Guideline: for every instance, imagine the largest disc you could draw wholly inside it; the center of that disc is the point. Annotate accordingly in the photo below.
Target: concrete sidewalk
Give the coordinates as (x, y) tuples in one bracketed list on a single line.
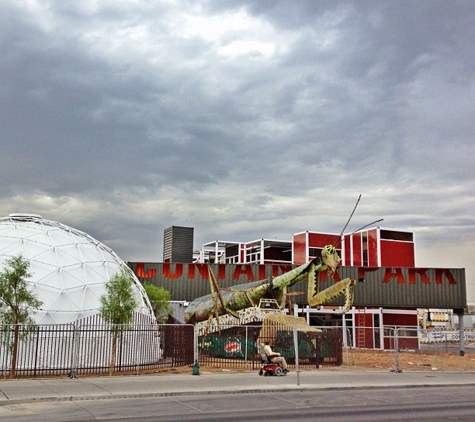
[(89, 388)]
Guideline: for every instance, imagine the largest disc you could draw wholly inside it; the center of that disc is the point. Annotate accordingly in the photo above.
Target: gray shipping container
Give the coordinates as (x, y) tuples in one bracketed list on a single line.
[(375, 287)]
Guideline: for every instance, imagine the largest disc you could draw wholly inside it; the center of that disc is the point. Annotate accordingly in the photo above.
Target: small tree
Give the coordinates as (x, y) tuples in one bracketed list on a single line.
[(16, 300), (159, 298), (117, 306)]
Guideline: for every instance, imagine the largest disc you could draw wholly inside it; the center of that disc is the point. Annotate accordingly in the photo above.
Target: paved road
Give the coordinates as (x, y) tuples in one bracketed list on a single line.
[(186, 397), (435, 404)]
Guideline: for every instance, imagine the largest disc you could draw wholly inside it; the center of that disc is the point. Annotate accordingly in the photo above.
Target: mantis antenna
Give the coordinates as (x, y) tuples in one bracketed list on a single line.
[(366, 225), (351, 215)]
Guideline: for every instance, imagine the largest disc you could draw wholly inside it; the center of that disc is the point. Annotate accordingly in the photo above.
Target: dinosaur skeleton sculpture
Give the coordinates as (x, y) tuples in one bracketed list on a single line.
[(224, 301)]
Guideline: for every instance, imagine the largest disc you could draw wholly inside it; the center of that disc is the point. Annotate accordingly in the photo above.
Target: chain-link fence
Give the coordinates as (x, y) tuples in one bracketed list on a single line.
[(413, 349), (239, 346)]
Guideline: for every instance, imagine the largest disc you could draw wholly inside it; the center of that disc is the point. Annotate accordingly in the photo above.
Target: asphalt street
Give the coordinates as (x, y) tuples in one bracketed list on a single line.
[(434, 403)]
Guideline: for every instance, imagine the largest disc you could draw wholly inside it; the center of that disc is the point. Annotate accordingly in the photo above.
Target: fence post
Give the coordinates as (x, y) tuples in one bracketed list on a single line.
[(138, 353), (296, 344), (396, 349), (461, 334), (72, 371), (6, 350), (345, 333), (195, 343), (36, 350), (343, 326), (245, 350)]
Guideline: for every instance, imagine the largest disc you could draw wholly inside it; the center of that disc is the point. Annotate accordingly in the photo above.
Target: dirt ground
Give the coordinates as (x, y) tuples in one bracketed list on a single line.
[(407, 361)]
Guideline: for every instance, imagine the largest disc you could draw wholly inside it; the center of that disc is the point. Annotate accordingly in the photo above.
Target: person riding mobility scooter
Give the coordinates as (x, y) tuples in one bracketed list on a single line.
[(272, 363)]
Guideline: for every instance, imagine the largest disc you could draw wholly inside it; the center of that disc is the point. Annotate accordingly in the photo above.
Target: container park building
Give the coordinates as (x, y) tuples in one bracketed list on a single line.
[(391, 291)]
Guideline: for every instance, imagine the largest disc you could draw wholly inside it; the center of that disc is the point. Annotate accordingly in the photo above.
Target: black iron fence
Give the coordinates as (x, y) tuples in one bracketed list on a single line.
[(69, 349)]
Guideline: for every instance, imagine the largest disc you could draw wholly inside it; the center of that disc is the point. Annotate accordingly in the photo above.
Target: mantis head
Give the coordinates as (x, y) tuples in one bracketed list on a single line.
[(330, 258)]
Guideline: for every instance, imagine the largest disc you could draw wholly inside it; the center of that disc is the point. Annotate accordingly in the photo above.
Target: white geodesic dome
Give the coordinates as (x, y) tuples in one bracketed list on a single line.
[(69, 269)]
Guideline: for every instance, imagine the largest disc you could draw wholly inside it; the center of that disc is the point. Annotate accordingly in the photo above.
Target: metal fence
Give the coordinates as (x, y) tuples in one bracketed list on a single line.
[(87, 348), (71, 349), (413, 349), (238, 346)]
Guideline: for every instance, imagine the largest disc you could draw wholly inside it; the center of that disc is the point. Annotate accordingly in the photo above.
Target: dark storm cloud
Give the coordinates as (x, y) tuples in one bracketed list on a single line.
[(244, 119)]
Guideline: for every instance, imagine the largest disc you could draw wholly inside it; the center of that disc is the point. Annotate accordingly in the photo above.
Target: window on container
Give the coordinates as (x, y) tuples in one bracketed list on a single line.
[(364, 239), (395, 235), (253, 257), (251, 253), (314, 252), (317, 252)]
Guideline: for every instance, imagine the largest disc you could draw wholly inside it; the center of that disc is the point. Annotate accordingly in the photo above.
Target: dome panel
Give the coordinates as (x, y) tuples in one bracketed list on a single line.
[(69, 252), (35, 249), (40, 270), (13, 231), (89, 253), (76, 272), (47, 257), (64, 303), (60, 279), (51, 281), (94, 273), (46, 318), (72, 278), (92, 297), (12, 249), (77, 296), (35, 234), (61, 237), (58, 257)]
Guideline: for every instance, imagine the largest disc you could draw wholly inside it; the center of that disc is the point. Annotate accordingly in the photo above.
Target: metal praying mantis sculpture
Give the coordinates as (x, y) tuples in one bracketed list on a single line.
[(224, 301)]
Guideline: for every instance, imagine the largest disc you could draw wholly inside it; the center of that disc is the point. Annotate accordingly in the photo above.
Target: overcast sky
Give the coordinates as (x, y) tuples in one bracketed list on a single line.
[(243, 119)]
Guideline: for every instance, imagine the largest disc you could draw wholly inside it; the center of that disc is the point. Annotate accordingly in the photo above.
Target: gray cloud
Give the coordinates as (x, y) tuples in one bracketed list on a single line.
[(243, 119)]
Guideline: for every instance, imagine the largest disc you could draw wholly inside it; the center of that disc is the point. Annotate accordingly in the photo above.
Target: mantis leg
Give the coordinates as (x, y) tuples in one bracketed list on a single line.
[(345, 286)]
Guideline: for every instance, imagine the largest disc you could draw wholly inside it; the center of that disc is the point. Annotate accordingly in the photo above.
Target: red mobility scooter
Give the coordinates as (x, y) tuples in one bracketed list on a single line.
[(270, 368)]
